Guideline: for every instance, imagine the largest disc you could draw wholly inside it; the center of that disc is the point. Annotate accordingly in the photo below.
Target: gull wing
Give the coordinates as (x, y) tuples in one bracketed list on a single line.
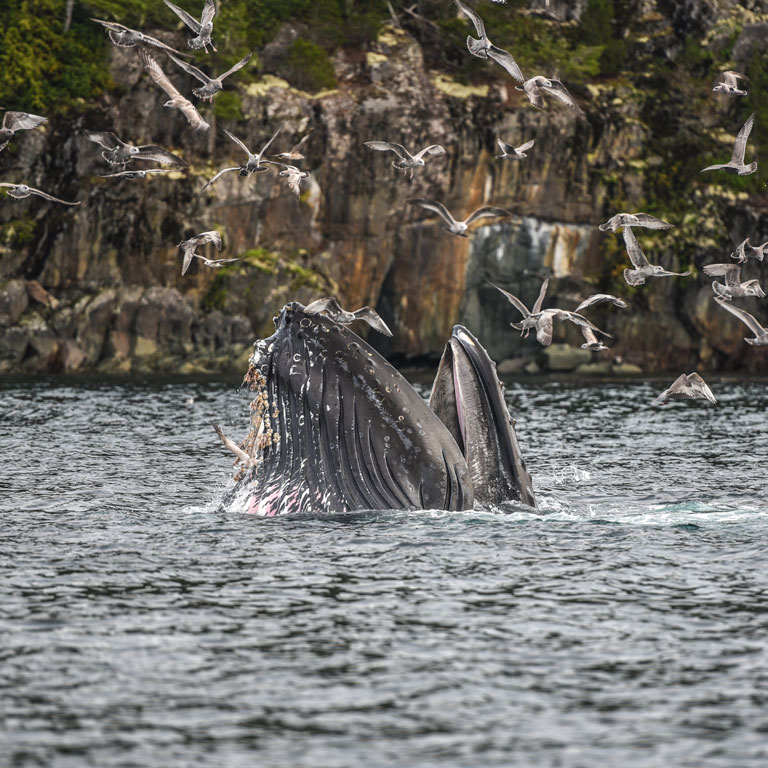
[(487, 211), (527, 145), (698, 387), (472, 16), (371, 316), (189, 253), (743, 315), (432, 149), (540, 298), (732, 78), (159, 155), (113, 26), (598, 298), (740, 145), (634, 251), (266, 146), (513, 300), (557, 90), (209, 11), (212, 236), (507, 149), (740, 254), (158, 43), (580, 320), (22, 121), (589, 335), (238, 142), (220, 173), (158, 77), (191, 69), (544, 328), (650, 222), (46, 196), (731, 272), (663, 398), (504, 58), (387, 146), (303, 141), (533, 91), (240, 64), (190, 21), (216, 262), (433, 205), (105, 139)]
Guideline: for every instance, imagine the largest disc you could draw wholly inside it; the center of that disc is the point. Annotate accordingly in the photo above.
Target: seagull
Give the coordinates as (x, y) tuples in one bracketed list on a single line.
[(733, 288), (543, 320), (295, 153), (634, 220), (120, 153), (17, 121), (211, 86), (517, 153), (741, 255), (20, 191), (599, 298), (536, 86), (124, 37), (332, 309), (407, 161), (736, 163), (254, 163), (761, 334), (176, 100), (642, 268), (730, 84), (202, 29), (135, 174), (457, 227), (242, 457), (189, 246), (483, 48), (215, 262), (686, 387), (292, 174)]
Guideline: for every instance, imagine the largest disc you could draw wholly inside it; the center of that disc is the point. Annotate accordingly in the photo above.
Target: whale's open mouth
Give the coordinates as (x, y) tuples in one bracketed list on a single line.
[(469, 399)]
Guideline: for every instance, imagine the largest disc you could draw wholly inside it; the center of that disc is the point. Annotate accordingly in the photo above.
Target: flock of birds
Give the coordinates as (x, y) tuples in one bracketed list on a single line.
[(118, 153)]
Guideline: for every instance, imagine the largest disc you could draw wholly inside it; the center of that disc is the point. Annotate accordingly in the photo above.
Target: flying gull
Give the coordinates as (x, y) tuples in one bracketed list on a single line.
[(761, 334), (642, 268), (20, 191), (543, 319), (120, 153), (730, 84), (407, 161), (483, 48), (124, 37), (17, 121), (458, 227), (175, 100), (537, 86), (599, 298), (202, 29), (736, 163), (292, 175), (295, 153), (211, 86), (333, 309), (633, 220), (507, 150), (254, 163), (135, 174), (733, 288), (686, 387), (189, 246)]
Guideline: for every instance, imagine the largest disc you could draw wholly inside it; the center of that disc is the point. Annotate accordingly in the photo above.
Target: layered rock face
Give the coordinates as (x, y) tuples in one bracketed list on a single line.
[(99, 287)]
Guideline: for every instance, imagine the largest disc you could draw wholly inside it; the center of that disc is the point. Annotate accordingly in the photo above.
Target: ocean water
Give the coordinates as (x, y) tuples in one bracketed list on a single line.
[(624, 623)]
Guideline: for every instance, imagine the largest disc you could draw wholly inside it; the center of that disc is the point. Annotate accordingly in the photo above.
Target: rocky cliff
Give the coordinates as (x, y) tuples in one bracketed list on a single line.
[(99, 287)]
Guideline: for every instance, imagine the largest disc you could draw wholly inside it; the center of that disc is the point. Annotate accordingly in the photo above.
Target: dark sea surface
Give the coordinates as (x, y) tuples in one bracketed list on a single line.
[(625, 624)]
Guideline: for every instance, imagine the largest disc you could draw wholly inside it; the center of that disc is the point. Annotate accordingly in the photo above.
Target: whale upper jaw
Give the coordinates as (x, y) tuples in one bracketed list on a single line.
[(468, 398)]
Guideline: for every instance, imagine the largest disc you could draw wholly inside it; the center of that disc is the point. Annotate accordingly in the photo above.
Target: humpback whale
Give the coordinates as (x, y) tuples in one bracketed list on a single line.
[(336, 428)]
